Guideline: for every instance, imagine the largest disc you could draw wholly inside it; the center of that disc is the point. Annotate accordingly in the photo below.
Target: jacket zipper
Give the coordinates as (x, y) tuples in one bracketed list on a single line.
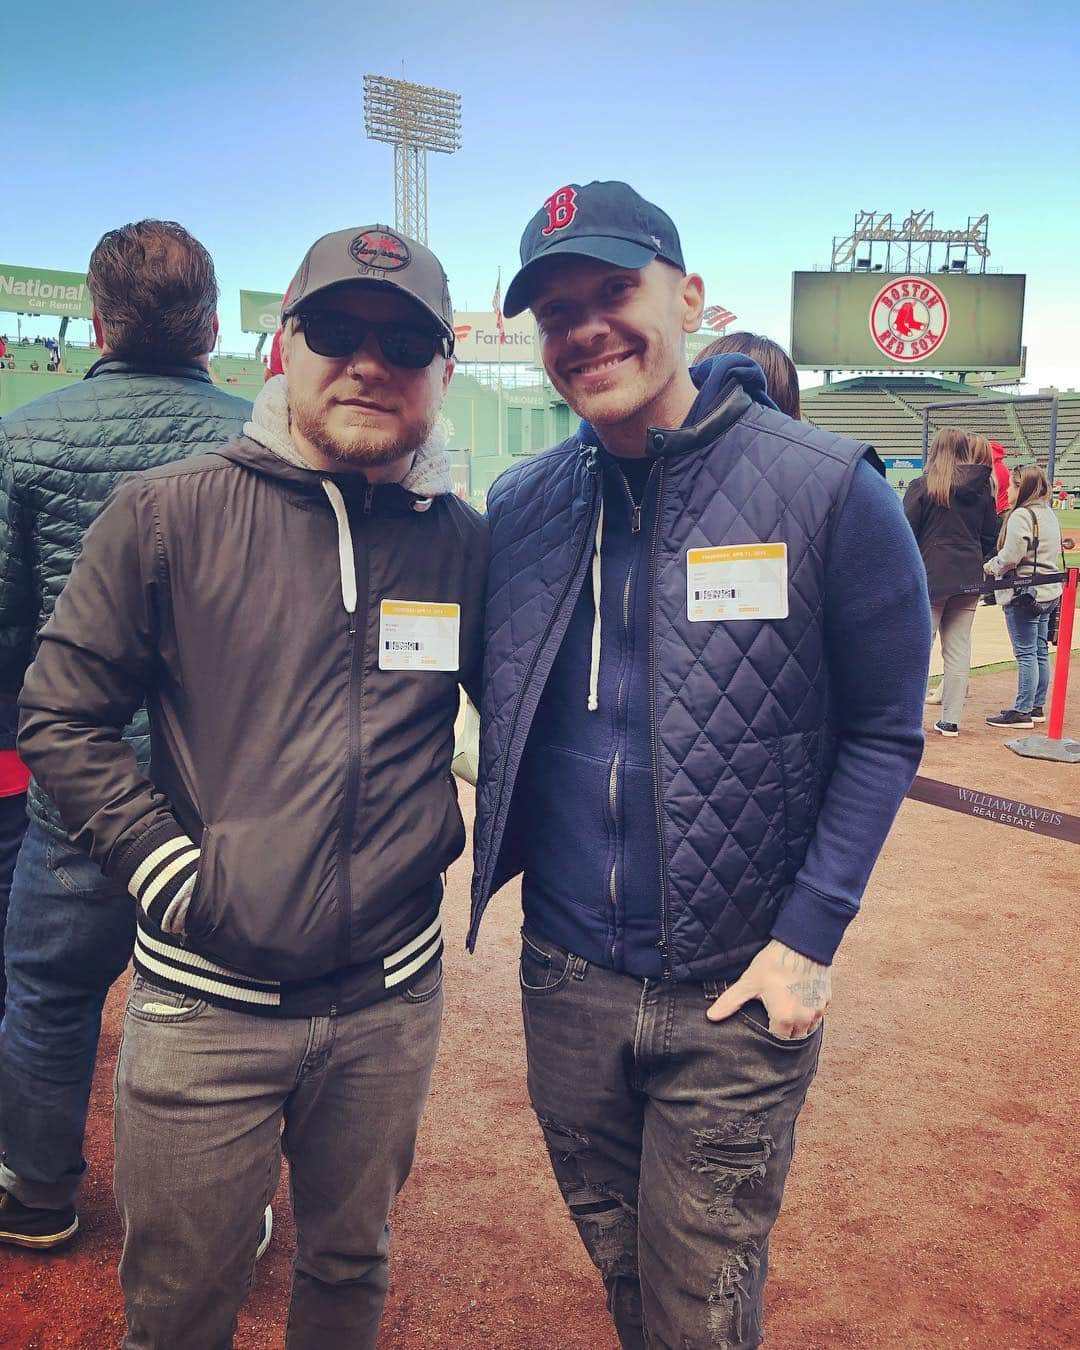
[(352, 774), (613, 785), (665, 953), (557, 612)]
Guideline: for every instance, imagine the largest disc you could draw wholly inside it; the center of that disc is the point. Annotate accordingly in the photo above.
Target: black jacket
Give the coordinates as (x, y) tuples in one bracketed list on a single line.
[(954, 540), (303, 782)]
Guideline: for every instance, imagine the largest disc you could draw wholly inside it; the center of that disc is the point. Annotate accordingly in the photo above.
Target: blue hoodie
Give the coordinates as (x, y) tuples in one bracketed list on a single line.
[(586, 783)]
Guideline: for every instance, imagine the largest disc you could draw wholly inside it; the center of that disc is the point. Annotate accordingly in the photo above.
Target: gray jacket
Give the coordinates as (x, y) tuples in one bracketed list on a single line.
[(1018, 551)]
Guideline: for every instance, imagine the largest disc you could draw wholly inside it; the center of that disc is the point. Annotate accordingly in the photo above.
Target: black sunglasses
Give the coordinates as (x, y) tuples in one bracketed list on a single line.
[(330, 333)]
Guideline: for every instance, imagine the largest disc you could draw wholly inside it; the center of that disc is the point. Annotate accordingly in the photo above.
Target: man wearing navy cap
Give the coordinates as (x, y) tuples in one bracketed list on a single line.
[(692, 751)]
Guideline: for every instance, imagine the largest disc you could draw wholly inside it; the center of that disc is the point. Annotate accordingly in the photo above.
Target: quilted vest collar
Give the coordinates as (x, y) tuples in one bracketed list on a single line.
[(115, 365), (731, 405)]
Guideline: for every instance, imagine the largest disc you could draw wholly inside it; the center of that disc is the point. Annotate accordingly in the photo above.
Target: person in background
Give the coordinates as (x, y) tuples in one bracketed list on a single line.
[(14, 777), (781, 377), (1029, 543), (951, 512), (70, 929), (993, 453)]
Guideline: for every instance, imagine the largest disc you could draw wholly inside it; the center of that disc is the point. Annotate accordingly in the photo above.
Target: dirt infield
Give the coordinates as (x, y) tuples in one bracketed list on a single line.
[(933, 1200)]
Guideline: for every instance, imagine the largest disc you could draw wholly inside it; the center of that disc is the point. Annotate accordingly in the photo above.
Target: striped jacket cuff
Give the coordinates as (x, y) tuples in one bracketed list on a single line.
[(160, 869)]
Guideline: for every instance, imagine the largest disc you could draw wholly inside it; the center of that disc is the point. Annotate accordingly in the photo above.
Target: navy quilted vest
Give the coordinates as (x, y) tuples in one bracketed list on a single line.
[(743, 743)]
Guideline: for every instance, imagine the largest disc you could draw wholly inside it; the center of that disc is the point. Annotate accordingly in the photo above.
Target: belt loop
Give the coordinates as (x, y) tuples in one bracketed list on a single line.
[(580, 966)]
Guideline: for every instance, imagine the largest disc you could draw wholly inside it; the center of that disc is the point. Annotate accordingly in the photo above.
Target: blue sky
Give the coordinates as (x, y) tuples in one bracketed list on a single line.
[(760, 128)]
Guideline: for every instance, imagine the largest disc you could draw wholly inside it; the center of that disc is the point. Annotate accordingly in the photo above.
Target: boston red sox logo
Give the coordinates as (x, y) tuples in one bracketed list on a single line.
[(909, 318), (561, 207)]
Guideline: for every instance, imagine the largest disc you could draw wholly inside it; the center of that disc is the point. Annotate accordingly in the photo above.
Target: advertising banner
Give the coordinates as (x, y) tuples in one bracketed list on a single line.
[(477, 338), (893, 320), (259, 311), (37, 290)]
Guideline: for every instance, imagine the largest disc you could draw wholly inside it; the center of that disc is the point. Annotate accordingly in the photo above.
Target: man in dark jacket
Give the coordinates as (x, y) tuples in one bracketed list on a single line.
[(69, 933), (707, 641), (298, 610)]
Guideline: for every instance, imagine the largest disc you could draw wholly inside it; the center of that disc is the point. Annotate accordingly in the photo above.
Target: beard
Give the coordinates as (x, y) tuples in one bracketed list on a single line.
[(612, 401), (356, 440)]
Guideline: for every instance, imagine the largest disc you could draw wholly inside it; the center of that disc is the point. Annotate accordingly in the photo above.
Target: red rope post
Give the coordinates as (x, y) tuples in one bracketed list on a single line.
[(1061, 659)]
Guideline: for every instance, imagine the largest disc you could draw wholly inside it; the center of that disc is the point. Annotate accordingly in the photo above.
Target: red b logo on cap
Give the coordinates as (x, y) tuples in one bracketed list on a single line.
[(561, 207)]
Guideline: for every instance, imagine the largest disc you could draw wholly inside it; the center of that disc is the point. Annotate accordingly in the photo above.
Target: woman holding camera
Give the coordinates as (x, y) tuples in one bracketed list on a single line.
[(1029, 544), (951, 511)]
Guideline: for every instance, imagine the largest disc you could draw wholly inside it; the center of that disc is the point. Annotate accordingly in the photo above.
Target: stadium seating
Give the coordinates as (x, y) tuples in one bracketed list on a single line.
[(888, 412)]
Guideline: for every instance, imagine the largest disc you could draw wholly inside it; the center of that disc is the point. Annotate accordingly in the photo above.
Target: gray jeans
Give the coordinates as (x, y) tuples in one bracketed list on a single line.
[(671, 1138), (952, 618), (205, 1100)]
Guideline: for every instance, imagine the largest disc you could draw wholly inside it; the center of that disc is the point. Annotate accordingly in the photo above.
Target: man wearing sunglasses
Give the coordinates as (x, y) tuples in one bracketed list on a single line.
[(297, 609)]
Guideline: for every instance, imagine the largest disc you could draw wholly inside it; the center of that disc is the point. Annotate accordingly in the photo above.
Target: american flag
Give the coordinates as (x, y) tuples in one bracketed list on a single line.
[(718, 318), (496, 305)]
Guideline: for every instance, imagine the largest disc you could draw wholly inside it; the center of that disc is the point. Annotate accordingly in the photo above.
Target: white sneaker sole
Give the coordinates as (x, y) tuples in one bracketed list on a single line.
[(268, 1228), (41, 1244)]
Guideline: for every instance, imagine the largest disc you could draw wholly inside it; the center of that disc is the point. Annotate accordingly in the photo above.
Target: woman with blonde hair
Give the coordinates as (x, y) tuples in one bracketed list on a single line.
[(951, 511), (1029, 545)]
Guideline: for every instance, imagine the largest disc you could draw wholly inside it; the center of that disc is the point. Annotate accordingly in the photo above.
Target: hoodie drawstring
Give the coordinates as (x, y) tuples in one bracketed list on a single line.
[(345, 545), (594, 661)]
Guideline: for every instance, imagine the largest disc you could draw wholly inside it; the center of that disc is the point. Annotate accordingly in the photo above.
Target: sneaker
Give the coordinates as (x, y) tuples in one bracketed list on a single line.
[(1037, 713), (1010, 717), (39, 1229), (264, 1233), (934, 695), (947, 728)]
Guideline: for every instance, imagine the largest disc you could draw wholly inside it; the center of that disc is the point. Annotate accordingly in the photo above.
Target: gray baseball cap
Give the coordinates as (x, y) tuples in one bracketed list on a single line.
[(377, 256)]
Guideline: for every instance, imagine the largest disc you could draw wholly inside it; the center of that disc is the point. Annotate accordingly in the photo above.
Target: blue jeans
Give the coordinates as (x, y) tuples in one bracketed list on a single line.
[(12, 829), (1027, 633), (69, 935), (670, 1137)]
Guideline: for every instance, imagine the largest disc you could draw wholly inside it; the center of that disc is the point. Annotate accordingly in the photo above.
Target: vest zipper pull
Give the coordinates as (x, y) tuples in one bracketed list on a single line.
[(635, 521)]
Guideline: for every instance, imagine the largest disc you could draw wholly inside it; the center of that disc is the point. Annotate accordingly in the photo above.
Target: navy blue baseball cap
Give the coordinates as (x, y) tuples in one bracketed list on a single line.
[(606, 221)]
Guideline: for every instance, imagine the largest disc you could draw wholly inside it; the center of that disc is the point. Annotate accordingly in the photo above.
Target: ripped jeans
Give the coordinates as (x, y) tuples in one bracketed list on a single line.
[(671, 1138)]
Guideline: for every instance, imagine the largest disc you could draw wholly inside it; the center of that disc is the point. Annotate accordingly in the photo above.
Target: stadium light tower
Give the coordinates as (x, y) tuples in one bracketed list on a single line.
[(413, 118)]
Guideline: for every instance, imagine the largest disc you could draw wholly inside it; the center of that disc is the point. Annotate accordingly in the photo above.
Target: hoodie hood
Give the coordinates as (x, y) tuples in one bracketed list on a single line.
[(428, 477), (715, 380), (972, 481)]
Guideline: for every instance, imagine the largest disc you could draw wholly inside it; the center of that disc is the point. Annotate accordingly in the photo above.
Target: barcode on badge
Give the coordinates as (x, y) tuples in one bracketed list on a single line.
[(394, 646), (720, 593)]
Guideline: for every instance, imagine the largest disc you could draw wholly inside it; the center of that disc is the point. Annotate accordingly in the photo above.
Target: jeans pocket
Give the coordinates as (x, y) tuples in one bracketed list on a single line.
[(544, 967), (424, 987), (150, 1002), (755, 1015), (75, 870)]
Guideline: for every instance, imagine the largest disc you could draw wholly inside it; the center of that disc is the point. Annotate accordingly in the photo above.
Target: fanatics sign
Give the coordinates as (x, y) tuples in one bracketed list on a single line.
[(477, 337)]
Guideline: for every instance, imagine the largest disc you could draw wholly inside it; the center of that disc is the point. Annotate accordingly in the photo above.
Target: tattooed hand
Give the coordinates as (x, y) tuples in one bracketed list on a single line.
[(795, 990)]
